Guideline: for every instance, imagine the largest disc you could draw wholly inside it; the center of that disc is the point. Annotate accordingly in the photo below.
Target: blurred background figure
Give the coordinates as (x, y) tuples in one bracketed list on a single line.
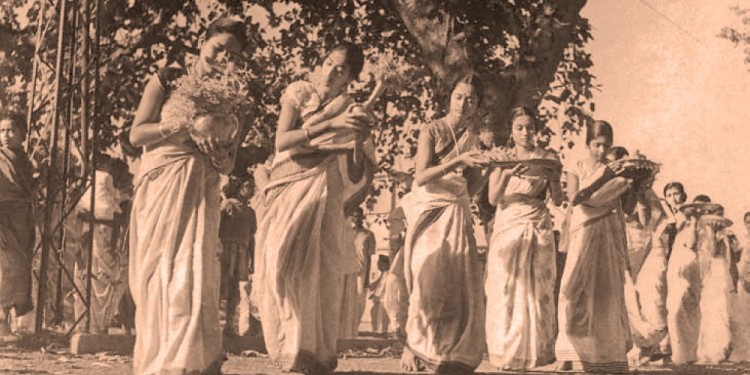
[(378, 316), (237, 234), (357, 283), (16, 224), (108, 268)]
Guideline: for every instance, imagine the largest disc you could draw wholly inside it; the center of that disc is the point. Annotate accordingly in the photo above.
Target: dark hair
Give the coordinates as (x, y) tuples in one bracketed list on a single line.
[(747, 214), (226, 25), (17, 120), (515, 113), (618, 152), (521, 111), (232, 188), (355, 58), (702, 198), (679, 187), (599, 128), (470, 79)]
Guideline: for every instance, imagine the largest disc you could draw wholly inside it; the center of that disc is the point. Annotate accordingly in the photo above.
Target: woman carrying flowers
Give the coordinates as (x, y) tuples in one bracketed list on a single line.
[(174, 227)]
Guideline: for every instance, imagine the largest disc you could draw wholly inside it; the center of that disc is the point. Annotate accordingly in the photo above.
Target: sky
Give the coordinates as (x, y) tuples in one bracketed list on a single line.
[(676, 92)]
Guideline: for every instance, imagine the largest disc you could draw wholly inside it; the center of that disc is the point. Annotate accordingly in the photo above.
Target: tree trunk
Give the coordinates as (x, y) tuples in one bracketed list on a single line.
[(524, 82)]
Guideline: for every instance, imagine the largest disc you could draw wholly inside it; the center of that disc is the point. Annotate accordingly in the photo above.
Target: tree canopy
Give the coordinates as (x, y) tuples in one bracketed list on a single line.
[(531, 52)]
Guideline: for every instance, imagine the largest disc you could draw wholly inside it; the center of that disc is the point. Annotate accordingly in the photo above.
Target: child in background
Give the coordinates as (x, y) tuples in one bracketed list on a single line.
[(378, 316), (16, 224), (236, 232)]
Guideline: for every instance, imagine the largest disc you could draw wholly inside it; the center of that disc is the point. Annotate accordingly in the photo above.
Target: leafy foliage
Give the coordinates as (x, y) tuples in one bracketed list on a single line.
[(531, 52), (739, 35)]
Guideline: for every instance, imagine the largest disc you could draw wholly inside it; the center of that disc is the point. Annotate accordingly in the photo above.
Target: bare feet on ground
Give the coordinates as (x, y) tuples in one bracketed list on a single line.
[(410, 362)]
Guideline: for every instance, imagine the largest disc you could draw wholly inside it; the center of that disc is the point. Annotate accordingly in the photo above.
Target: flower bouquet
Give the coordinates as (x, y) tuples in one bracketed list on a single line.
[(207, 105)]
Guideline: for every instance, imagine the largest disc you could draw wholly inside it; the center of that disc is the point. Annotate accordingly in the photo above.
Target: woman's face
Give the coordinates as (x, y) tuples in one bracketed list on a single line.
[(523, 130), (335, 72), (674, 197), (219, 52), (464, 100), (247, 190), (9, 136), (599, 147)]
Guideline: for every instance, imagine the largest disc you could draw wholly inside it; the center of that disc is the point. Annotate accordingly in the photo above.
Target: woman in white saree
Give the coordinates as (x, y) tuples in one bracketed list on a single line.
[(443, 273), (593, 319), (174, 227), (521, 268), (302, 255)]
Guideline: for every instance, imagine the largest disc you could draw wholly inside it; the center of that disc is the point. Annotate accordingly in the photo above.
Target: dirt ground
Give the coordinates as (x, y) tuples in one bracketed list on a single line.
[(49, 355)]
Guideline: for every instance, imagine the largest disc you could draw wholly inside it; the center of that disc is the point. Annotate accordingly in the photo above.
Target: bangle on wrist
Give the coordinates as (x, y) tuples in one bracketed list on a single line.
[(307, 134), (168, 129)]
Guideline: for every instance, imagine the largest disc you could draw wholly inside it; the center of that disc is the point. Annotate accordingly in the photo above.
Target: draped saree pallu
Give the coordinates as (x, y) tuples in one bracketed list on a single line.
[(592, 314), (521, 273), (443, 274), (174, 262), (16, 231), (302, 255)]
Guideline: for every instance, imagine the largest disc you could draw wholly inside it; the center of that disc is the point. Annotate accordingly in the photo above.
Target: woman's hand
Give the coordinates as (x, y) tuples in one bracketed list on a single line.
[(517, 171), (617, 168), (472, 159), (356, 119), (211, 144)]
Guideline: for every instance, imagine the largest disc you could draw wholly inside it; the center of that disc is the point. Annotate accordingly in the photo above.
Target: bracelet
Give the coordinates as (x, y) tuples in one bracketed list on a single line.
[(307, 134), (167, 131)]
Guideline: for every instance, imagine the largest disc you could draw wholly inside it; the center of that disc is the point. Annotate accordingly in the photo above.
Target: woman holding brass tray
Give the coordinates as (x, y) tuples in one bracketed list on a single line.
[(593, 318), (521, 268)]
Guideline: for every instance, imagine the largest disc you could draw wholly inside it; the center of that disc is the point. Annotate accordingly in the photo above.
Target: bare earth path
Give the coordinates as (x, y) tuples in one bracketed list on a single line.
[(39, 356)]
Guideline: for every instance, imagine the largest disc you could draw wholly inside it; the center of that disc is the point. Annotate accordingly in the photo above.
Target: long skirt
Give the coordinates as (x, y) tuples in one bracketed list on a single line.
[(352, 305), (445, 321), (683, 304), (715, 336), (521, 274), (301, 263), (16, 248), (175, 269), (592, 314)]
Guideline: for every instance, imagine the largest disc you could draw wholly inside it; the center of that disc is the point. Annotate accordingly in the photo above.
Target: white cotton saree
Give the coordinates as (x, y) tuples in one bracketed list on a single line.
[(443, 273), (174, 262), (592, 315), (521, 273)]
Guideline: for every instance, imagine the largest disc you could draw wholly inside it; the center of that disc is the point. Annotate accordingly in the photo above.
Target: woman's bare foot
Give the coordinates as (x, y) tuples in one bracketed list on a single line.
[(410, 362), (563, 365)]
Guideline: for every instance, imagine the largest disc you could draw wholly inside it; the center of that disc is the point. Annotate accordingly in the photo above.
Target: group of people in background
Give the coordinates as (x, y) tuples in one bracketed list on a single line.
[(637, 270)]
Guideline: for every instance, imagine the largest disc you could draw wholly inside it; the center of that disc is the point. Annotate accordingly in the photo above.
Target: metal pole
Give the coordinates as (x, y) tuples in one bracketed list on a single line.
[(85, 38), (34, 68), (92, 171), (66, 162), (51, 193)]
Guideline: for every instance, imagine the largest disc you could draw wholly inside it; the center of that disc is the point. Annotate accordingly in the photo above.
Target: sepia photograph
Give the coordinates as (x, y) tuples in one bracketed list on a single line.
[(205, 187)]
